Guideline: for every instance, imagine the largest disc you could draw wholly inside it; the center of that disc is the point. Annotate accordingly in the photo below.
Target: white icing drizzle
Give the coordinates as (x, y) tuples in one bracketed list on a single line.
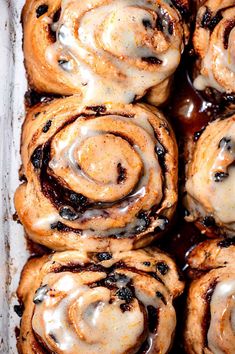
[(74, 317), (209, 80), (96, 325), (67, 153), (45, 222), (223, 300), (115, 34), (224, 207), (218, 62), (211, 196)]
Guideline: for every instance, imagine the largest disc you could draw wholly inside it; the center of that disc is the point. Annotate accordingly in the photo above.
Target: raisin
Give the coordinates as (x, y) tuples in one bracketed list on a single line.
[(229, 98), (197, 134), (36, 157), (225, 143), (121, 173), (147, 264), (61, 62), (170, 28), (68, 213), (56, 16), (125, 294), (59, 226), (152, 60), (19, 310), (159, 24), (214, 21), (162, 267), (220, 176), (53, 337), (152, 318), (182, 7), (160, 151), (146, 221), (77, 199), (41, 10), (147, 23), (208, 221), (46, 126), (125, 307), (206, 18), (104, 256), (226, 243)]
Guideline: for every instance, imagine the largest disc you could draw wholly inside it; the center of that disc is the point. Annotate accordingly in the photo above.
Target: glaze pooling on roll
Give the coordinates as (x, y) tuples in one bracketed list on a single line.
[(106, 51), (98, 151), (98, 174), (85, 155), (210, 176), (210, 326), (214, 40), (92, 308), (86, 305)]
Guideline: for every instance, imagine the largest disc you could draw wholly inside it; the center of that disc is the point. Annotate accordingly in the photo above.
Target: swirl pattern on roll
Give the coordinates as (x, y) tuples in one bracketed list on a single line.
[(105, 51), (99, 303), (210, 324), (210, 177), (97, 177), (214, 43)]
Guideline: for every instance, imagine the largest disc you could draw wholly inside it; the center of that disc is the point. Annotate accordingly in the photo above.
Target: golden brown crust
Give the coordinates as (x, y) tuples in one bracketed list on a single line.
[(71, 49), (29, 280), (212, 254), (210, 302), (214, 44), (210, 176), (138, 270), (96, 172)]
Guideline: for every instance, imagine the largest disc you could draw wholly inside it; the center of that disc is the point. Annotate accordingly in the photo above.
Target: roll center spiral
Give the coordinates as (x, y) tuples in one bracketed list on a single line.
[(109, 159), (103, 167), (89, 310), (129, 30)]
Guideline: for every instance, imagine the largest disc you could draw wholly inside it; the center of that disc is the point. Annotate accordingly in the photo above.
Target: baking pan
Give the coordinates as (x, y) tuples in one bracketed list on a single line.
[(12, 243)]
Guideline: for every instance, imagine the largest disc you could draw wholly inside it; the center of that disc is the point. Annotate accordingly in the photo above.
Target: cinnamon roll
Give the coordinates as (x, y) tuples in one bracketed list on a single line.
[(99, 303), (210, 187), (210, 324), (98, 177), (105, 51), (214, 43)]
